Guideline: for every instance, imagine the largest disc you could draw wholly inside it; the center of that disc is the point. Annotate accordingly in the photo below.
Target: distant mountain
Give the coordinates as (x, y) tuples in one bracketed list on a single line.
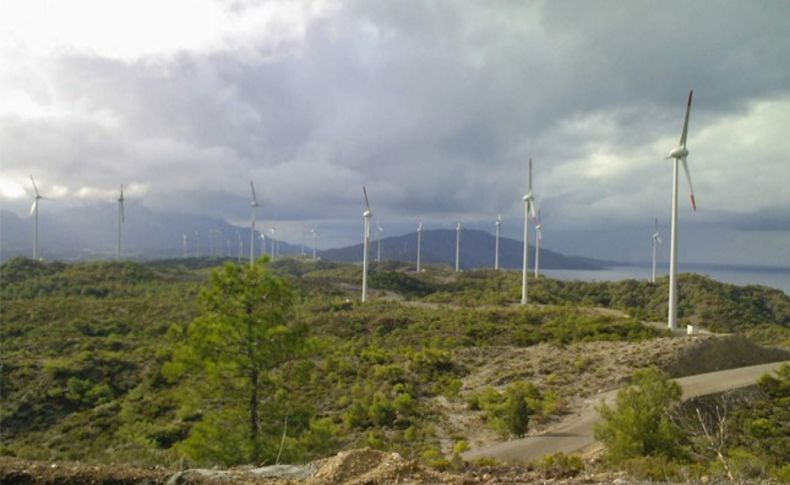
[(477, 251), (91, 232)]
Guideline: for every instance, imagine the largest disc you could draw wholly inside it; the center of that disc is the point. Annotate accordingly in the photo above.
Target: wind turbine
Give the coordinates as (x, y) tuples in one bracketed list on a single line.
[(120, 222), (538, 239), (678, 154), (379, 230), (315, 239), (656, 241), (274, 240), (458, 228), (34, 213), (529, 208), (496, 244), (367, 214), (419, 239), (254, 205), (241, 244), (184, 245), (197, 244)]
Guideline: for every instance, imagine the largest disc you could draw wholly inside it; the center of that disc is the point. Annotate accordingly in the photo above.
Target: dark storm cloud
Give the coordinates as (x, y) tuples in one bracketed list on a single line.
[(436, 106)]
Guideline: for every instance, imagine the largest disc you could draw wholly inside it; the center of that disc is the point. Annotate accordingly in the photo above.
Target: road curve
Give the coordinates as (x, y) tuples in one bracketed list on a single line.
[(577, 433)]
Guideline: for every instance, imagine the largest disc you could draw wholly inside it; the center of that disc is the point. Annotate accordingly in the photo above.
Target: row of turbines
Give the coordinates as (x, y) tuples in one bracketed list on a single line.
[(679, 155)]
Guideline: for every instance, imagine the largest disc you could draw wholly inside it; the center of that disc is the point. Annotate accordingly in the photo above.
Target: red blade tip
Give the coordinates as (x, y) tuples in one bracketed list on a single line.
[(693, 202)]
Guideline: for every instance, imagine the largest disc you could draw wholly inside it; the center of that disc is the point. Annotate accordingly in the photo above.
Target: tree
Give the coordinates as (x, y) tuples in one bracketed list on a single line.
[(241, 336), (640, 424)]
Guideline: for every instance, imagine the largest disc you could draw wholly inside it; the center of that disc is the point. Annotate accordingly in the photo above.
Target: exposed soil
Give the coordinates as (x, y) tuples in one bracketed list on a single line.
[(578, 372)]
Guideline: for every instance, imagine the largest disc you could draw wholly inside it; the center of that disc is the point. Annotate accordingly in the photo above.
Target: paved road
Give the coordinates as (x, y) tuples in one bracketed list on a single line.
[(577, 433)]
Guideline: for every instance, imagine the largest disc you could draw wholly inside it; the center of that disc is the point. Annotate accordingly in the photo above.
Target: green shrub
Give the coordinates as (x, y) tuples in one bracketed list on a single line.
[(655, 468), (560, 465), (640, 424)]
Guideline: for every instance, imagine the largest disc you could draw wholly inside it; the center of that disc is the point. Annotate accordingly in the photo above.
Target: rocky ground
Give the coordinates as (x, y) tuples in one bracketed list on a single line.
[(352, 467)]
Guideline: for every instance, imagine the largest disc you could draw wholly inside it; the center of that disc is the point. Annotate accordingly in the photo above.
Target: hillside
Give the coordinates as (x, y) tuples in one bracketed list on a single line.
[(84, 347), (477, 251)]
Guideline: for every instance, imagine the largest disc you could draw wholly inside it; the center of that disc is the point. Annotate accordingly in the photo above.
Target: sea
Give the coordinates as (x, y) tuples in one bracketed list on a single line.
[(774, 277)]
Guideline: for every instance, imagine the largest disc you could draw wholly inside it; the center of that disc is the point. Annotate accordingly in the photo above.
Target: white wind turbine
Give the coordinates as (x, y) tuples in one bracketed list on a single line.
[(419, 240), (529, 208), (496, 243), (241, 245), (120, 222), (184, 245), (367, 214), (263, 244), (379, 232), (197, 244), (656, 242), (678, 154), (458, 228), (273, 239), (254, 205), (34, 213), (315, 239), (538, 239)]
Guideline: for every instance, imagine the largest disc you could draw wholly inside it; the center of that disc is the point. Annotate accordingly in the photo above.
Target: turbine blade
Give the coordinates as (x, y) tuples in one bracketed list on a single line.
[(532, 211), (530, 175), (686, 122), (34, 185), (691, 187), (254, 196), (33, 207), (367, 203), (656, 226), (659, 240)]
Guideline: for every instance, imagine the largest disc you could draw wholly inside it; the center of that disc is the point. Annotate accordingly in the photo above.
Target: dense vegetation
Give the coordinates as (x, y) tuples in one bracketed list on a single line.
[(88, 352), (738, 435)]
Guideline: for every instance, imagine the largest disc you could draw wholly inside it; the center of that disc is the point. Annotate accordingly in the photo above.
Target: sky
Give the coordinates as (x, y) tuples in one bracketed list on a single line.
[(435, 106)]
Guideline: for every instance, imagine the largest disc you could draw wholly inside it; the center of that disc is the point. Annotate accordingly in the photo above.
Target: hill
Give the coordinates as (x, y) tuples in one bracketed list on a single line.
[(84, 346), (477, 251)]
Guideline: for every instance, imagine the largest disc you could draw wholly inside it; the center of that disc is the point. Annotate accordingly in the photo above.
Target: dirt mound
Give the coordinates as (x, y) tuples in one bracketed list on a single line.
[(722, 353), (372, 466)]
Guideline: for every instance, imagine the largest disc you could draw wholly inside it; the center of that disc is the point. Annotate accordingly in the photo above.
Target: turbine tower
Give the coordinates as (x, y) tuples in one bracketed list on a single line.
[(496, 244), (241, 245), (538, 239), (315, 239), (120, 222), (656, 241), (34, 213), (263, 244), (367, 214), (379, 230), (273, 230), (458, 228), (419, 240), (678, 155), (529, 207), (197, 244), (254, 205), (184, 245)]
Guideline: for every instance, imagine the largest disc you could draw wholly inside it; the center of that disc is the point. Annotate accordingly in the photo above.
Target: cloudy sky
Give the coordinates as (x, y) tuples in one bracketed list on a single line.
[(436, 106)]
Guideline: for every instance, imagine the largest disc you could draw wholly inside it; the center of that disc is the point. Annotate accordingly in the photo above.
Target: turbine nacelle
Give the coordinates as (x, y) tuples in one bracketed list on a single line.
[(679, 152)]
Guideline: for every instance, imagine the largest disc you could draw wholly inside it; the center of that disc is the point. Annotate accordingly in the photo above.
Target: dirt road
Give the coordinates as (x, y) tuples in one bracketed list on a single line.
[(577, 432)]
